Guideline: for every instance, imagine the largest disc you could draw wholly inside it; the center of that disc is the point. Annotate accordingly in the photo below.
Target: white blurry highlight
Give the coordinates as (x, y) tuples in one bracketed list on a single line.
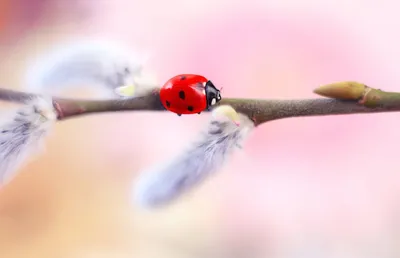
[(96, 64), (214, 145), (22, 132), (141, 85)]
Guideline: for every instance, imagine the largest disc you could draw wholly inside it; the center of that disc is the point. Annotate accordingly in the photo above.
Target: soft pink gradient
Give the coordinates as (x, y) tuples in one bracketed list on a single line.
[(331, 179)]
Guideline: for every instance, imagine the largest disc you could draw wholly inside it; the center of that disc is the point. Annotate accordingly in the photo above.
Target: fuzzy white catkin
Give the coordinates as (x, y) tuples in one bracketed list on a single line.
[(95, 64), (203, 157), (22, 132)]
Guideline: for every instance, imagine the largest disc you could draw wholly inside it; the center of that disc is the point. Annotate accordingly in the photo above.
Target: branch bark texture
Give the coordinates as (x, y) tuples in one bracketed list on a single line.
[(340, 98)]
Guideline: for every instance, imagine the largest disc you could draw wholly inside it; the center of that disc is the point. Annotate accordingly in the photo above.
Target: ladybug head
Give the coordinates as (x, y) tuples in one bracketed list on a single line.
[(213, 94)]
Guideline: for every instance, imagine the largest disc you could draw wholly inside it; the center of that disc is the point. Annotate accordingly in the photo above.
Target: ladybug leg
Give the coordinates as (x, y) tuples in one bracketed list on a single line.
[(179, 114), (199, 113)]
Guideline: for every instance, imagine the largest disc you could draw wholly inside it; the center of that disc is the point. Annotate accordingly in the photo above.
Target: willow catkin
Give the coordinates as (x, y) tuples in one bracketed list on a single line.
[(21, 134), (206, 155), (95, 64)]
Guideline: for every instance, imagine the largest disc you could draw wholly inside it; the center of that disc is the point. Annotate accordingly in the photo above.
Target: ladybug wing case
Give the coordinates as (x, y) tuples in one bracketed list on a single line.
[(186, 99), (196, 100)]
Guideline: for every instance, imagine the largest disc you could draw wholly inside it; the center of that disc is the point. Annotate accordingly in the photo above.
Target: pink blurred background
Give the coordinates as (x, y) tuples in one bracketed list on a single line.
[(324, 186)]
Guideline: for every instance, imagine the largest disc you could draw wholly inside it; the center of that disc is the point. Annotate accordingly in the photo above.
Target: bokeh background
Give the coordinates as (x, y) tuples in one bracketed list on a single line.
[(303, 187)]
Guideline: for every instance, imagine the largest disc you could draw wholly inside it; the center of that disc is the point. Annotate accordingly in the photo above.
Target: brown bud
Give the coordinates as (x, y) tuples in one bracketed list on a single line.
[(342, 90)]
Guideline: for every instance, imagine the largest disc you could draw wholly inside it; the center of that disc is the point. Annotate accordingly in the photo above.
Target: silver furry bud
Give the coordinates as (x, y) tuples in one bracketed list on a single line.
[(21, 134), (103, 66), (225, 132)]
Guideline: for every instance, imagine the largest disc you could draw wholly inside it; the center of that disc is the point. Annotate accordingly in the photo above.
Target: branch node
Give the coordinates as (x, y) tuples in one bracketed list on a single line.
[(57, 107), (365, 97)]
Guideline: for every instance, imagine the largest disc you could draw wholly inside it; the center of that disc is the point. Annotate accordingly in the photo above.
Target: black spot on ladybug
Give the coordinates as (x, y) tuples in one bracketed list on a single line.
[(183, 77), (167, 103), (182, 94), (190, 108)]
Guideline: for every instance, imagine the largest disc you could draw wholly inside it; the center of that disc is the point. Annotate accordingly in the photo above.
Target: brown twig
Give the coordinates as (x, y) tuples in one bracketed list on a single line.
[(15, 96), (343, 98)]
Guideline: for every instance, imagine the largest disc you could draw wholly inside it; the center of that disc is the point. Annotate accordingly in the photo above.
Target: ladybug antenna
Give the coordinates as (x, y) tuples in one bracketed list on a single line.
[(221, 89)]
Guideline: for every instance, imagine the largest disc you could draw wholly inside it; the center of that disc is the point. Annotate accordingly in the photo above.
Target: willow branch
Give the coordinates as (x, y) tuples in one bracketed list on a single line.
[(15, 96), (342, 98)]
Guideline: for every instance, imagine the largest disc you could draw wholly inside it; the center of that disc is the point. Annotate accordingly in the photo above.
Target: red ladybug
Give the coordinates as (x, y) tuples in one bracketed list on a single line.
[(189, 94)]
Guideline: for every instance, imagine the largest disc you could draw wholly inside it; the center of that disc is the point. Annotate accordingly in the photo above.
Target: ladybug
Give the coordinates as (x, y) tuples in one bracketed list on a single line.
[(189, 94)]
